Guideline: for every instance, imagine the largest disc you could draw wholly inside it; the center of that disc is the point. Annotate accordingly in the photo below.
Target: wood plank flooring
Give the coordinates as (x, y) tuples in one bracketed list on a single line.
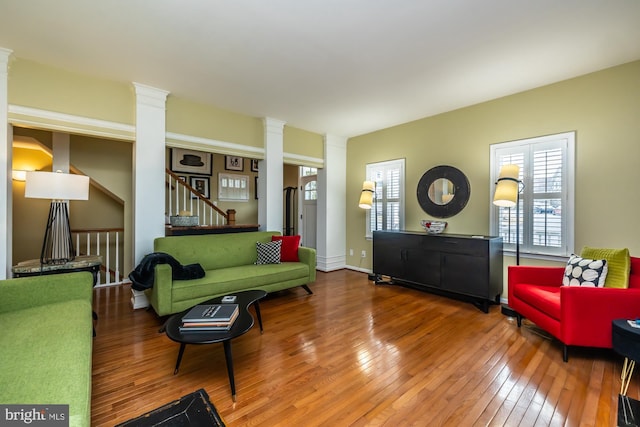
[(354, 353)]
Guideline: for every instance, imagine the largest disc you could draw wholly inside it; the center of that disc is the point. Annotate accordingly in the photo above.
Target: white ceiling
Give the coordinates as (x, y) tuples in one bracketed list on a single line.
[(342, 67)]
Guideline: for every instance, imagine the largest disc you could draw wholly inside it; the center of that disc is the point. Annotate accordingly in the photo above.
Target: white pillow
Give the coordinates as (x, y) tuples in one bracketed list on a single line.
[(585, 272)]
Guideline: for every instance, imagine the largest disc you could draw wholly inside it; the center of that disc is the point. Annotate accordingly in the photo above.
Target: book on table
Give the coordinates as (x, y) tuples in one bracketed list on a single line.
[(211, 317), (211, 313)]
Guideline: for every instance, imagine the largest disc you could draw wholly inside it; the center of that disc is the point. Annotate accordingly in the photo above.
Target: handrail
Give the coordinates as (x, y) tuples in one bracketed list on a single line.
[(197, 194)]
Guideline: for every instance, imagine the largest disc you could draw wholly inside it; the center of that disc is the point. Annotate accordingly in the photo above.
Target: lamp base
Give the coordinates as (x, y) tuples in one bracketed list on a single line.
[(57, 246)]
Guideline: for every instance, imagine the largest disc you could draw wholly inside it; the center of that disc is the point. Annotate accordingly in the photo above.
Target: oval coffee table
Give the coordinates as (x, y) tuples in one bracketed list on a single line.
[(242, 324)]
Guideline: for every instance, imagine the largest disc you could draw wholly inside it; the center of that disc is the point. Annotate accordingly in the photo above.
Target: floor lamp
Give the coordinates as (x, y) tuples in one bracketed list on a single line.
[(366, 202), (57, 246), (507, 194)]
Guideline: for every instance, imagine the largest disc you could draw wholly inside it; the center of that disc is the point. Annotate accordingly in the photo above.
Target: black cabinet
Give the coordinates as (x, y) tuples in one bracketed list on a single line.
[(453, 264)]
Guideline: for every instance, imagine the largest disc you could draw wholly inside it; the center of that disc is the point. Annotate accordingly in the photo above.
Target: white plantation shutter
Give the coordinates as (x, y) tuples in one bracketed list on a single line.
[(387, 212), (546, 200)]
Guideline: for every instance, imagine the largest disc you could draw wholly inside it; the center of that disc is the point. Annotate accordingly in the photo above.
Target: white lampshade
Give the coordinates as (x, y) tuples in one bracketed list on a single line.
[(366, 197), (56, 186), (18, 175), (506, 194)]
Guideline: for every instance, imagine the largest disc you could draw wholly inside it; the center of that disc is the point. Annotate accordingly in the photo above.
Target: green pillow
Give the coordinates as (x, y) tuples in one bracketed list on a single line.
[(618, 262)]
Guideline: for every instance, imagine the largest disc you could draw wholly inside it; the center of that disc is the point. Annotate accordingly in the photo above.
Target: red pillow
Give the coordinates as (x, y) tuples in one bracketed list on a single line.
[(289, 250)]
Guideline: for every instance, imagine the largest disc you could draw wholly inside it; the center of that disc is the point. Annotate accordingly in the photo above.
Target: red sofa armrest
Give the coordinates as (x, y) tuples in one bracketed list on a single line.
[(586, 313), (535, 275)]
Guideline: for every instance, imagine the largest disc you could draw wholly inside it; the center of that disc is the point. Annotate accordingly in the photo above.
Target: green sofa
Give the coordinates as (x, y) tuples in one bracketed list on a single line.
[(229, 264), (46, 339)]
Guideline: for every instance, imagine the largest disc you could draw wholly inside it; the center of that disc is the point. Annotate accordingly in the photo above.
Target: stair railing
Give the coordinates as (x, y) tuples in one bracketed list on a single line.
[(182, 197), (107, 243)]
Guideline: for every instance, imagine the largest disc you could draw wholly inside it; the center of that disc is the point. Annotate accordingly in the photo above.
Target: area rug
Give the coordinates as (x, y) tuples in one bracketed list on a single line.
[(192, 410)]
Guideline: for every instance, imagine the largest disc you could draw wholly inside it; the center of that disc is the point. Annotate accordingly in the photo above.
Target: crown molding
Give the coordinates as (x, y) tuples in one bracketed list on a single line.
[(35, 117)]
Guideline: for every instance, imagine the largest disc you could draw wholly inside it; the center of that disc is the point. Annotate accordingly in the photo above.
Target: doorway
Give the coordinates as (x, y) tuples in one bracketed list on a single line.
[(308, 181)]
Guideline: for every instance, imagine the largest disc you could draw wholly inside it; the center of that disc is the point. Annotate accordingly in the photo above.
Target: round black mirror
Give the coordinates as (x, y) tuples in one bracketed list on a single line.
[(443, 191)]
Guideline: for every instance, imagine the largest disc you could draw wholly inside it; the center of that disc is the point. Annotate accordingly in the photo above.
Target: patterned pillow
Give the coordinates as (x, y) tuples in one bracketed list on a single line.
[(585, 272), (268, 253)]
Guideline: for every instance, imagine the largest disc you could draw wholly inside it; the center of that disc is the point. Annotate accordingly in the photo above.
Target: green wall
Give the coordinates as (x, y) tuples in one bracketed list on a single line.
[(603, 108), (42, 87), (39, 86)]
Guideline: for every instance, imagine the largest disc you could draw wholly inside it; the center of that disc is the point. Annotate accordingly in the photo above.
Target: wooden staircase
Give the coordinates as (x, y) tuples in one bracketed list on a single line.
[(183, 199)]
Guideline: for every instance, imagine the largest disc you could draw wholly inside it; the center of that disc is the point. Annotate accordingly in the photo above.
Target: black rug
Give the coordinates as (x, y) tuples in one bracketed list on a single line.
[(192, 410)]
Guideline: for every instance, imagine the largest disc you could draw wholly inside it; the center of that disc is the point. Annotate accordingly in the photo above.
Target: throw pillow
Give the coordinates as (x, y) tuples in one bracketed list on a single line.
[(268, 253), (290, 245), (585, 272), (618, 264)]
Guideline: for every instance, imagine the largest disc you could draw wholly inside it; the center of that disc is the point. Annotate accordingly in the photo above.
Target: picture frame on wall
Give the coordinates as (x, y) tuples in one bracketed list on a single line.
[(233, 163), (201, 184), (254, 165), (191, 161), (256, 187)]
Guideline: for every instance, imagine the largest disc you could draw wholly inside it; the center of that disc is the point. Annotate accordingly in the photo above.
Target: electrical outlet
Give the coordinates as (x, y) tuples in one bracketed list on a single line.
[(350, 252), (364, 254)]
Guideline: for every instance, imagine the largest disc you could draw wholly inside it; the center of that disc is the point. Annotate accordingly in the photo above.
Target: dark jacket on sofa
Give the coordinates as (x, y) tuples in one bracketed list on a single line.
[(143, 275)]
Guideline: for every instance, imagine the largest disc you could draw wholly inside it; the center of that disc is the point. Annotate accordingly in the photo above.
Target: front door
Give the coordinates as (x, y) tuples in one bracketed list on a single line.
[(308, 211)]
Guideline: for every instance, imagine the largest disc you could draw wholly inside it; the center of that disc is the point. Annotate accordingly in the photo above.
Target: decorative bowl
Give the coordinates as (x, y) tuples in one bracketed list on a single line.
[(434, 227), (183, 221)]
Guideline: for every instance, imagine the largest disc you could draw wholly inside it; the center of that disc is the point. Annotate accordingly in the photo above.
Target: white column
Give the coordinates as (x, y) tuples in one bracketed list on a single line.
[(148, 169), (270, 178), (331, 233), (6, 190)]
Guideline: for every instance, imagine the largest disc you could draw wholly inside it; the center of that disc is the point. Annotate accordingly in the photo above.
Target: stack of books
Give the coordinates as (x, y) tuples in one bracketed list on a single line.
[(209, 317)]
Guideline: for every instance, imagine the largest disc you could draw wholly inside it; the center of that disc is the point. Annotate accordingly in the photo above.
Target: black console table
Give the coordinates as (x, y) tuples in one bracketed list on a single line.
[(466, 266)]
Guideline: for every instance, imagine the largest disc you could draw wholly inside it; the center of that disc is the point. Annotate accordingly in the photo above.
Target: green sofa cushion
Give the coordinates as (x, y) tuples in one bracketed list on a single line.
[(233, 279), (46, 357), (213, 251)]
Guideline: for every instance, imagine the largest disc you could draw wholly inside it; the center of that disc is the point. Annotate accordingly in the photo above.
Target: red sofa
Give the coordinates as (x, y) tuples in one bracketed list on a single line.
[(575, 315)]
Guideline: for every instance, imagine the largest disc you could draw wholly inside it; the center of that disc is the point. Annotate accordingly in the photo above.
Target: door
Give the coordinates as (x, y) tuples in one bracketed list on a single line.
[(308, 209)]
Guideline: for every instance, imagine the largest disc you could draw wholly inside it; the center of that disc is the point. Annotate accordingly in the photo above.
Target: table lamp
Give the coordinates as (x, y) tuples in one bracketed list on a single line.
[(57, 246)]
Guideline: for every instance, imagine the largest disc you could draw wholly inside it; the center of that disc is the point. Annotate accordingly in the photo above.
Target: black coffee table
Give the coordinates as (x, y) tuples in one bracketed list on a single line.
[(242, 324)]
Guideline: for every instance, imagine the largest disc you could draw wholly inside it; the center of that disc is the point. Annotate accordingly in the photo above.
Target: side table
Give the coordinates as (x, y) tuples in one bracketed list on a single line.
[(32, 267), (625, 340)]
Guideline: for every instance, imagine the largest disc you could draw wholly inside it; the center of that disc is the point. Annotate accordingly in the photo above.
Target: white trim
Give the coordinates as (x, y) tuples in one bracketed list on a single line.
[(150, 96), (6, 189), (179, 140), (331, 263), (569, 193), (27, 116), (300, 160)]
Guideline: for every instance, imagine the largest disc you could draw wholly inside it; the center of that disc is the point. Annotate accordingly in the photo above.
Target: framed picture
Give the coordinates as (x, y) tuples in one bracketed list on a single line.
[(254, 165), (256, 188), (233, 187), (233, 163), (191, 161), (182, 178), (201, 184)]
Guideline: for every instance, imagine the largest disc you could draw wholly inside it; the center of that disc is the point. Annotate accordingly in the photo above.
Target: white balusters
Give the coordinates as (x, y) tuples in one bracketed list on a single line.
[(94, 245)]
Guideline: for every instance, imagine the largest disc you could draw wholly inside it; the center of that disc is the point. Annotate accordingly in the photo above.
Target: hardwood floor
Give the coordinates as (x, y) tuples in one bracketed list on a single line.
[(354, 353)]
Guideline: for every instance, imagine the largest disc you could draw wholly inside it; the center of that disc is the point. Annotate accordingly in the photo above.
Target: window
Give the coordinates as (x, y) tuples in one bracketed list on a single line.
[(306, 171), (387, 212), (310, 191), (233, 187), (546, 197)]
